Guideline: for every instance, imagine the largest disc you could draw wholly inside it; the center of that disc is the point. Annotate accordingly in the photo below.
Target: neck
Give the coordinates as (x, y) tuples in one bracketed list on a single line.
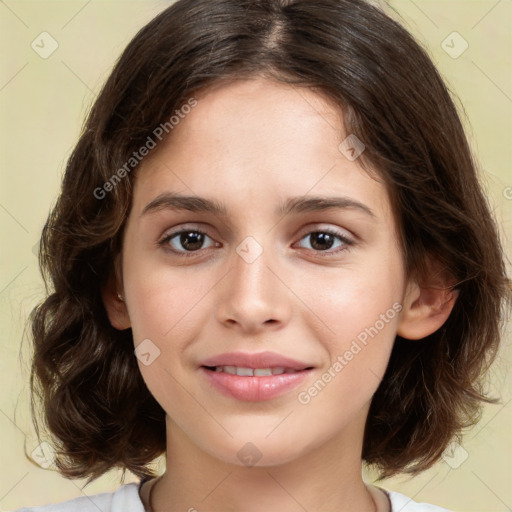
[(325, 479)]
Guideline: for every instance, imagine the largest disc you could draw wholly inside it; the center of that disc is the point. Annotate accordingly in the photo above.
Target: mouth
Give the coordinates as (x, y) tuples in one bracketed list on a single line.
[(253, 377)]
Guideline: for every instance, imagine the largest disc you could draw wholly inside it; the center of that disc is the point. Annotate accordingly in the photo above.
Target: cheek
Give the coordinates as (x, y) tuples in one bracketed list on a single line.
[(351, 299), (162, 302), (164, 307), (359, 311)]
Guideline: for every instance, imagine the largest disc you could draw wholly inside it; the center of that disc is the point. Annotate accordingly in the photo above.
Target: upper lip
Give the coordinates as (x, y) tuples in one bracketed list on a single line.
[(255, 360)]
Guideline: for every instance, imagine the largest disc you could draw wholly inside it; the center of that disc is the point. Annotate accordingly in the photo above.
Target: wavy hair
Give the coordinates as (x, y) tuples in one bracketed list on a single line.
[(84, 374)]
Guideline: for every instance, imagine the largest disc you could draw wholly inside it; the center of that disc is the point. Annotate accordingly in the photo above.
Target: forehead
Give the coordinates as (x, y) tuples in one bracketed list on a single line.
[(256, 113), (257, 138)]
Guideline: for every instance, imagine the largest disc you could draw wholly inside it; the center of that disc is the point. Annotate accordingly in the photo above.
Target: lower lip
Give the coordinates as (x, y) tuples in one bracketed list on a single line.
[(254, 389)]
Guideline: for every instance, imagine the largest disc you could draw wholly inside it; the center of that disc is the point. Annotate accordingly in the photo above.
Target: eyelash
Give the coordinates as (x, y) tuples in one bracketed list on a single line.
[(348, 242)]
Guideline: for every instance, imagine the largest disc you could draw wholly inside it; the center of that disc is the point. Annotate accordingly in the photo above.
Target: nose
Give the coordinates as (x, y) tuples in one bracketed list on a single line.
[(254, 296)]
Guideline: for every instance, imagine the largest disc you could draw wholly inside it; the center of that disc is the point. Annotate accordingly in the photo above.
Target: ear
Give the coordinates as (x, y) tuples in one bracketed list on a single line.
[(113, 300), (427, 306)]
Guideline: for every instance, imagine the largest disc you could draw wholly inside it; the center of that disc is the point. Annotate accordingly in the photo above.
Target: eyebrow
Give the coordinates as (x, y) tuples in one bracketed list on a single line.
[(301, 204)]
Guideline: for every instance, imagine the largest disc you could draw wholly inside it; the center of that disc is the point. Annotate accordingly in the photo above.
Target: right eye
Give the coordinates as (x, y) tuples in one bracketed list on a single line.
[(191, 240)]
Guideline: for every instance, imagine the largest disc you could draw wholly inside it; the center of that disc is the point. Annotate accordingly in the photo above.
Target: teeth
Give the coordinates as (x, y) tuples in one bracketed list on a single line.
[(262, 372), (250, 372), (245, 372)]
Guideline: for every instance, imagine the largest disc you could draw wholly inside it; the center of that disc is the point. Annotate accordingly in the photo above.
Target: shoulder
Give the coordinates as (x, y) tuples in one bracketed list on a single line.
[(401, 502), (124, 499)]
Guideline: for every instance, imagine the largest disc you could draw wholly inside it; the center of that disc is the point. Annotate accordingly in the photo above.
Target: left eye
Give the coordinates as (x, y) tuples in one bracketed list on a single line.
[(323, 240)]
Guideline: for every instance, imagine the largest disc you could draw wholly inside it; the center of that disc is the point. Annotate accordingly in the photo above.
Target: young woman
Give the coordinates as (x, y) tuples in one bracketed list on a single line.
[(271, 261)]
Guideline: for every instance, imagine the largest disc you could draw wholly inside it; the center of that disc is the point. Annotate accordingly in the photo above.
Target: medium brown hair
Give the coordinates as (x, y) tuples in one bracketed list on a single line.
[(93, 399)]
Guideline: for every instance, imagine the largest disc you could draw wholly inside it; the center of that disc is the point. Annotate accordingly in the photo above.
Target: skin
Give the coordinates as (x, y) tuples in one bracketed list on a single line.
[(251, 144)]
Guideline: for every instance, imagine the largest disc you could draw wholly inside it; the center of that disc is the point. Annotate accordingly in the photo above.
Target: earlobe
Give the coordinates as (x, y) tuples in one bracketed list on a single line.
[(425, 310), (115, 305)]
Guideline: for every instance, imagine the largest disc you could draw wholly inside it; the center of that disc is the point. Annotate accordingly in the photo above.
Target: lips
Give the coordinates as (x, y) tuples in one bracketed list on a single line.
[(254, 377)]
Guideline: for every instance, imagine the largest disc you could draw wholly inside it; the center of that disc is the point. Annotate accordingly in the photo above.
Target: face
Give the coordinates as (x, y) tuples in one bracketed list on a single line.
[(275, 270)]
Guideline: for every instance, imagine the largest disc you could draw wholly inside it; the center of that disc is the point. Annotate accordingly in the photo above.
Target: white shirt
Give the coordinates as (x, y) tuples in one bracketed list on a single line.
[(127, 499)]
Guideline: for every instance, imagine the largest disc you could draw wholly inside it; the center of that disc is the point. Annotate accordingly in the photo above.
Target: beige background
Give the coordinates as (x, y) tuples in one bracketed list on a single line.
[(42, 105)]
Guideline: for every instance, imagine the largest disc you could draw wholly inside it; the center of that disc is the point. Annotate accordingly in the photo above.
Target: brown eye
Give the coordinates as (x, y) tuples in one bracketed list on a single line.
[(326, 239), (186, 241)]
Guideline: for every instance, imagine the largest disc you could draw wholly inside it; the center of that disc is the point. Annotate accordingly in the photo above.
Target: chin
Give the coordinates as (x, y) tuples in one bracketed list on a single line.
[(253, 449)]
